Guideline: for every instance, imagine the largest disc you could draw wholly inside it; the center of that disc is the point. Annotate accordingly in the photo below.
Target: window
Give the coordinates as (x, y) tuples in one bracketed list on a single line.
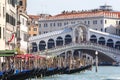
[(51, 24), (105, 21), (65, 23), (54, 24), (116, 22), (95, 22), (12, 2), (10, 19), (20, 3), (72, 22), (119, 22), (59, 24), (35, 29), (29, 29), (3, 33), (0, 9), (23, 21), (25, 37), (101, 29), (39, 25), (101, 21), (88, 22), (3, 11), (105, 29), (0, 32), (45, 25), (39, 32), (119, 32), (34, 34)]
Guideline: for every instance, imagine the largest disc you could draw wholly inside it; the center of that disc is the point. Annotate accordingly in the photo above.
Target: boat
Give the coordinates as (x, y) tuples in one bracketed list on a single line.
[(82, 68)]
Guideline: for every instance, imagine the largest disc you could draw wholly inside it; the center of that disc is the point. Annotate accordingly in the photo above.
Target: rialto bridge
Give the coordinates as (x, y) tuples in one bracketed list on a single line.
[(77, 38)]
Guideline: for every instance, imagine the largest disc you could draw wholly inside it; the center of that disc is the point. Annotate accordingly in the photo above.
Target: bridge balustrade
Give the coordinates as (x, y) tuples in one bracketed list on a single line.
[(83, 45)]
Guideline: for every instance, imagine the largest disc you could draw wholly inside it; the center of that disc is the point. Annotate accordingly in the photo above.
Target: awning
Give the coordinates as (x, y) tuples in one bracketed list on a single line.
[(4, 53)]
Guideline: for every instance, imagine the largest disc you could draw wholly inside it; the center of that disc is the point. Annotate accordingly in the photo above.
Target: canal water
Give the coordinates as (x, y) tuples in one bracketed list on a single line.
[(104, 73)]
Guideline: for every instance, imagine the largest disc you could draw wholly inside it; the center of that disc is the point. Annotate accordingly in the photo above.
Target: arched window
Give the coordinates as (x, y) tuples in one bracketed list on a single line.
[(117, 45), (110, 43), (93, 39), (42, 45), (34, 47), (51, 43), (59, 41), (101, 40), (68, 39)]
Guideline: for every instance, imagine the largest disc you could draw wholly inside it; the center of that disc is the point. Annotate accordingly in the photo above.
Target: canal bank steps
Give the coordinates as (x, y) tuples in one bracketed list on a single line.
[(39, 73)]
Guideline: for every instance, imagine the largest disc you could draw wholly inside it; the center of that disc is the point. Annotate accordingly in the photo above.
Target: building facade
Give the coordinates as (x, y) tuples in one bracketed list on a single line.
[(2, 24), (33, 25), (8, 22), (103, 19), (13, 25), (22, 27), (23, 32)]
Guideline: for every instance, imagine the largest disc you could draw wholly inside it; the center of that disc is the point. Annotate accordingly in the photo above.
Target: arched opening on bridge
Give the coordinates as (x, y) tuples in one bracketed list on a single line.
[(59, 41), (42, 45), (34, 47), (93, 39), (110, 43), (51, 43), (117, 45), (76, 36), (68, 39), (81, 33), (69, 54), (101, 41)]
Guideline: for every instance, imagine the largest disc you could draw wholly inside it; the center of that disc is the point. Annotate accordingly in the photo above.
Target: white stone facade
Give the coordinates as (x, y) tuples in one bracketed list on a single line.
[(23, 32), (2, 24), (73, 34), (7, 23), (104, 21)]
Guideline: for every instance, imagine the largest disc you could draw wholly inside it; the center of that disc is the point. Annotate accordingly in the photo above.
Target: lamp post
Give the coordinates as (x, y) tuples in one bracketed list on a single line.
[(96, 61)]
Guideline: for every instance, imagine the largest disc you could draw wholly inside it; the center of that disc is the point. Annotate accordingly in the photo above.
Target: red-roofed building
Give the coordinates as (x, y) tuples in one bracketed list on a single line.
[(33, 24), (103, 19)]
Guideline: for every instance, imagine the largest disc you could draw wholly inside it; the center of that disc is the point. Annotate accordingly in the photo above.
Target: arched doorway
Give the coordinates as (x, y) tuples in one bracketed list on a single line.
[(117, 45), (110, 43), (34, 47), (93, 39), (51, 43), (68, 39), (101, 41), (42, 45), (76, 36), (81, 33), (59, 41)]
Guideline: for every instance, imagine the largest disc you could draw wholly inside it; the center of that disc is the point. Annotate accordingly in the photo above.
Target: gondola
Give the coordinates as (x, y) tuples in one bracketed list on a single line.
[(21, 75), (50, 71), (70, 71), (1, 74), (7, 73)]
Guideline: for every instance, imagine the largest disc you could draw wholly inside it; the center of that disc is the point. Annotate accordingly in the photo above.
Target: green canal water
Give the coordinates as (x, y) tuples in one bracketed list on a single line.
[(104, 73)]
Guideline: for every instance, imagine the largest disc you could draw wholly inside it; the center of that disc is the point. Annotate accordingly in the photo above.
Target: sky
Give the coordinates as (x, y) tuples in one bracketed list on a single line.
[(54, 7)]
